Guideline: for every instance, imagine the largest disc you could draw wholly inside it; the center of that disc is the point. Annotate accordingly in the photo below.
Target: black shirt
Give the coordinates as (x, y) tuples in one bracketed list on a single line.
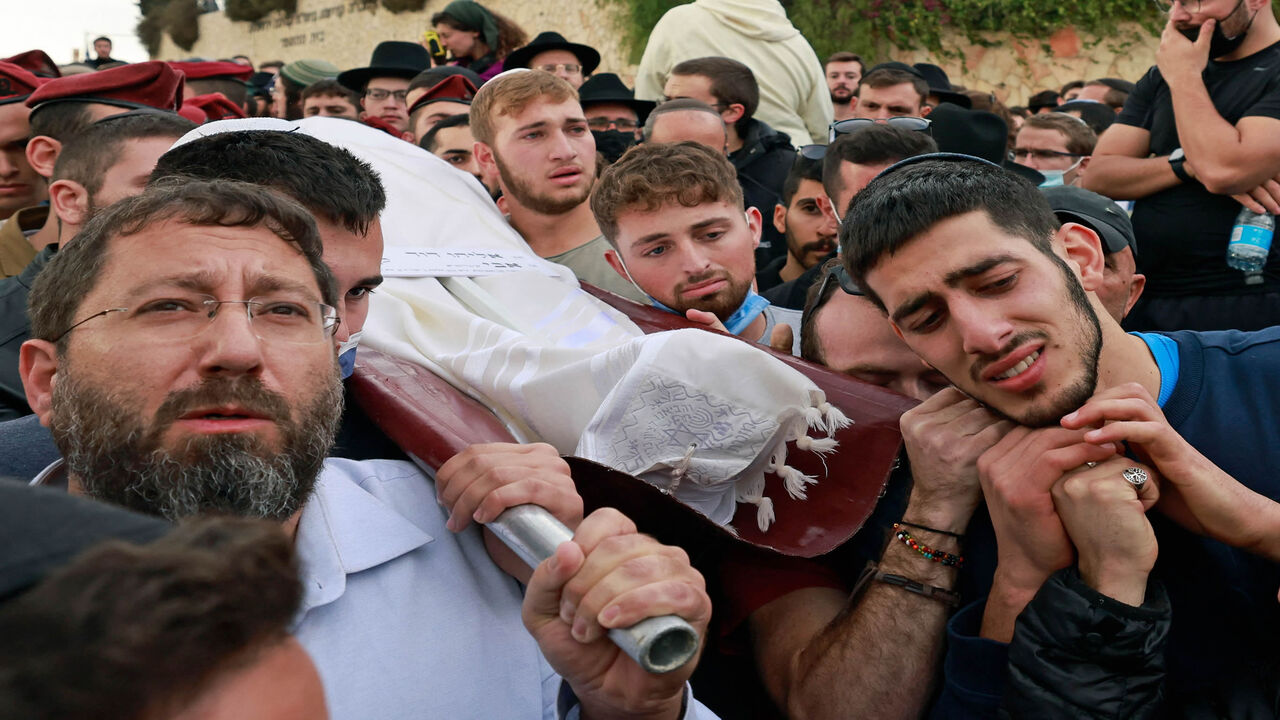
[(1183, 231)]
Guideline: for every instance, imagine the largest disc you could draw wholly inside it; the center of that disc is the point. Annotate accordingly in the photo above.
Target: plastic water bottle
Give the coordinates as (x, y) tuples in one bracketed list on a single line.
[(1250, 244)]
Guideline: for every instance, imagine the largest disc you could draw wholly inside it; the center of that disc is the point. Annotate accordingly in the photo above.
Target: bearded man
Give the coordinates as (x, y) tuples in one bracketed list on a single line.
[(227, 403), (980, 279), (532, 133)]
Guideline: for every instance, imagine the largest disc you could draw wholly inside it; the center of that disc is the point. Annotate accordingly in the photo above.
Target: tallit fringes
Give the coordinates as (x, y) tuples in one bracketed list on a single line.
[(814, 418), (796, 482), (764, 512), (820, 446), (833, 420)]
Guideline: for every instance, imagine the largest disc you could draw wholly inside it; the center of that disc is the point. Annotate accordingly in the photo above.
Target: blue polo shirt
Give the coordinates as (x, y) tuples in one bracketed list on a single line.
[(1221, 392)]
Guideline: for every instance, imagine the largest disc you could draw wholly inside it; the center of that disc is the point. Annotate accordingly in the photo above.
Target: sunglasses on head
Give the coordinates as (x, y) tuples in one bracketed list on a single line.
[(852, 125)]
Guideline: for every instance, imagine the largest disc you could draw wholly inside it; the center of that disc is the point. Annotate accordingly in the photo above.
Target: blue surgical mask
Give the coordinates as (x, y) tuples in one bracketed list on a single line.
[(747, 312), (1055, 178), (347, 354), (1052, 178)]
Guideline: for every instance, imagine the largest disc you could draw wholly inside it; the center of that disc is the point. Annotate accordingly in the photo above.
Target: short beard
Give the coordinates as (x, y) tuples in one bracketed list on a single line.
[(835, 100), (800, 252), (722, 304), (1073, 396), (115, 458), (528, 197)]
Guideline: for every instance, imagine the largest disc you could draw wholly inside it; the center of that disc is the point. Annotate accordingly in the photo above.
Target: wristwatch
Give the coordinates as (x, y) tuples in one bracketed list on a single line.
[(1177, 159)]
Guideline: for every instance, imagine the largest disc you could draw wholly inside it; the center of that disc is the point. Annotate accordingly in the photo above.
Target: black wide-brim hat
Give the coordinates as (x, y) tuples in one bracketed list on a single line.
[(940, 85), (392, 58), (977, 133), (520, 57), (609, 88)]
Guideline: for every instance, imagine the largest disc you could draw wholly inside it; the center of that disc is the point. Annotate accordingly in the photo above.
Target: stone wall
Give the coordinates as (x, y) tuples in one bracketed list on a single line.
[(1016, 69), (344, 32)]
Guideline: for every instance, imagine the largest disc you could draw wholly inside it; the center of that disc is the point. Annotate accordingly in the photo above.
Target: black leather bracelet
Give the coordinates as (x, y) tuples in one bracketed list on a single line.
[(948, 533), (933, 592)]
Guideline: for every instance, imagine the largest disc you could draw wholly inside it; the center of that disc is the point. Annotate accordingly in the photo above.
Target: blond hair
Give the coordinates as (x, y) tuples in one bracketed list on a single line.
[(510, 93)]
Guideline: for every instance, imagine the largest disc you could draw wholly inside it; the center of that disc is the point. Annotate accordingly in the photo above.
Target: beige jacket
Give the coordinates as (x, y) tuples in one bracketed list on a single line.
[(793, 91)]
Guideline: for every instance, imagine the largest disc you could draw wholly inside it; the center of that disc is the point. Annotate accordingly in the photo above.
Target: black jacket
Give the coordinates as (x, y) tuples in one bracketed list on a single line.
[(15, 329), (1076, 653), (763, 161), (1079, 654)]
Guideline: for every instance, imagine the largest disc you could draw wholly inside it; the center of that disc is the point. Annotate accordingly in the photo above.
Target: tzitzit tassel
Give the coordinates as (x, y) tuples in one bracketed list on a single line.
[(833, 419), (764, 512), (796, 482)]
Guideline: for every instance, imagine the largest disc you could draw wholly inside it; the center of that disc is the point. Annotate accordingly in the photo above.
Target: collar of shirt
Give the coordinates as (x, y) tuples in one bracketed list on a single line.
[(343, 530)]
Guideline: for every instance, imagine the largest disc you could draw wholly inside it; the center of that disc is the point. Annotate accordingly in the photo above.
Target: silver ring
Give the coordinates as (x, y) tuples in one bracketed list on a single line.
[(1136, 476), (1091, 465)]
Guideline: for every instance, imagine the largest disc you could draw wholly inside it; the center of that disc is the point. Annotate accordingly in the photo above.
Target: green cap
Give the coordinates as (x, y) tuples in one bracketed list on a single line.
[(305, 72)]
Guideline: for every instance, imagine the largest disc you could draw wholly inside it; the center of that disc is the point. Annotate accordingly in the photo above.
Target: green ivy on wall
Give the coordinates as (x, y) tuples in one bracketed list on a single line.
[(875, 28)]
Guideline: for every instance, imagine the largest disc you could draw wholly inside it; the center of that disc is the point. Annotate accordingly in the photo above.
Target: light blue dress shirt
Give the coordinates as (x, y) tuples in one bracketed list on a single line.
[(404, 618)]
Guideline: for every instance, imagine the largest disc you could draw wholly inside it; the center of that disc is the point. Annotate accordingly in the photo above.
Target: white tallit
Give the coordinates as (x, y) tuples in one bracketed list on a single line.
[(701, 415)]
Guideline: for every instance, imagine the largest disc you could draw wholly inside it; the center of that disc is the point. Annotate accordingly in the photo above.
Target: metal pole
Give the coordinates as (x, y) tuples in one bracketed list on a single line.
[(657, 644)]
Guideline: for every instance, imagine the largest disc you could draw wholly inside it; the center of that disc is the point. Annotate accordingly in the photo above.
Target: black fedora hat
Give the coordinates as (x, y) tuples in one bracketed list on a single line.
[(940, 85), (609, 88), (520, 57), (392, 58), (977, 133)]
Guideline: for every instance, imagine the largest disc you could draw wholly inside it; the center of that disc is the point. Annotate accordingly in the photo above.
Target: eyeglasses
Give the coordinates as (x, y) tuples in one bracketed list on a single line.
[(1021, 154), (282, 319), (1165, 6), (604, 123), (571, 68), (833, 275), (380, 94), (852, 125)]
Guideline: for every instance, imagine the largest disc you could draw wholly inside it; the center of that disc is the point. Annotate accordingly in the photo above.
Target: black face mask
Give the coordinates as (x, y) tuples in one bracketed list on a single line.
[(1220, 44), (612, 143)]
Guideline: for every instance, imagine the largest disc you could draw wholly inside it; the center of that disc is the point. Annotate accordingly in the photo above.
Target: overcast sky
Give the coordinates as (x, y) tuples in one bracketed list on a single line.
[(61, 27)]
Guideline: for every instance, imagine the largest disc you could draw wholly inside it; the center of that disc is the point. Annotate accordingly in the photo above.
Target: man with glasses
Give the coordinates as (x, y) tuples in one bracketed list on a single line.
[(384, 84), (613, 112), (228, 404), (1057, 146), (551, 52), (1199, 137), (846, 332)]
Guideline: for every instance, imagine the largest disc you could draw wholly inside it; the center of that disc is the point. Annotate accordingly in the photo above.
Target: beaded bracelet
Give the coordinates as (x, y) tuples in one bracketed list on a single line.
[(948, 533), (938, 556), (933, 592)]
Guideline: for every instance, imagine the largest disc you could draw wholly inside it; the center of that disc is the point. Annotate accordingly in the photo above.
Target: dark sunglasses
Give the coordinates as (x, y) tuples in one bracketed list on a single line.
[(852, 125), (832, 271)]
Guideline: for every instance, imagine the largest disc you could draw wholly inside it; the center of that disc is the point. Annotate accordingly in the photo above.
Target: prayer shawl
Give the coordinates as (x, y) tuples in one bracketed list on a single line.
[(700, 415)]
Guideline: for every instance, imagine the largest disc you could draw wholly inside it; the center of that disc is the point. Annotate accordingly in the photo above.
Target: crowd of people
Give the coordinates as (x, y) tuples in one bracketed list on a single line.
[(1078, 297)]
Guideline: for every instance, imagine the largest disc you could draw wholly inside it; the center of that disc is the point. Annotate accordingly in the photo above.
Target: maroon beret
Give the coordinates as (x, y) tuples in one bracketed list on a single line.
[(204, 70), (454, 88), (213, 106), (37, 61), (16, 83), (149, 84)]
